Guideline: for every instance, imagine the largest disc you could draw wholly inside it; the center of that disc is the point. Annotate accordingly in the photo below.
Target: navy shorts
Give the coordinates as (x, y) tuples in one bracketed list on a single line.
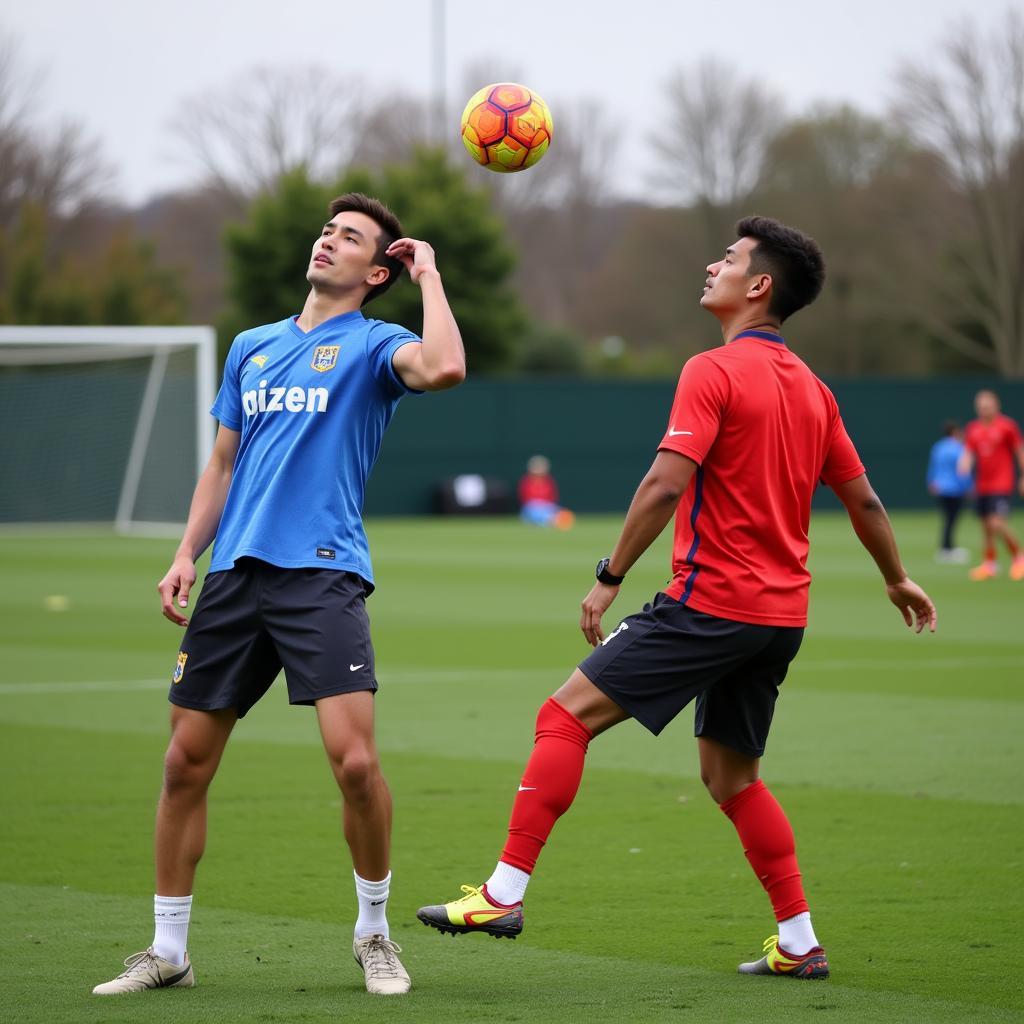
[(660, 659), (993, 505), (255, 619)]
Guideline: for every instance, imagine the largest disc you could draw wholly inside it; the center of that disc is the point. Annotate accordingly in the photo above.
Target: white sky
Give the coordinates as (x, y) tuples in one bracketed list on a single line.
[(123, 66)]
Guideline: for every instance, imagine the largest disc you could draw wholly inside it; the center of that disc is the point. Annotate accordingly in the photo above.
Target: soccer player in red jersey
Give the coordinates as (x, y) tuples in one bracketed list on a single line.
[(751, 433), (992, 443)]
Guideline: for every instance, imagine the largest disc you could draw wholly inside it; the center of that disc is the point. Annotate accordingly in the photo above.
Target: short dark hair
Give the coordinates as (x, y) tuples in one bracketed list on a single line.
[(794, 260), (949, 428), (390, 230)]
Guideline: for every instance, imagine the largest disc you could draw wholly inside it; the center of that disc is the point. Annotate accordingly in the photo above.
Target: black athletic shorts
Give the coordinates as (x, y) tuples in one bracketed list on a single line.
[(994, 505), (255, 619), (660, 659)]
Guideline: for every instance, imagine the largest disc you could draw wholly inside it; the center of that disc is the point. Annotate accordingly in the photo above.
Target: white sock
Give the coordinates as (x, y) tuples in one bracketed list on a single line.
[(508, 884), (171, 914), (373, 907), (796, 935)]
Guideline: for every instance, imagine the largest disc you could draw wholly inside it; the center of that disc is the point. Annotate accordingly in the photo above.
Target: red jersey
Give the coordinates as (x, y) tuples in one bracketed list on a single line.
[(763, 431), (994, 445), (537, 487)]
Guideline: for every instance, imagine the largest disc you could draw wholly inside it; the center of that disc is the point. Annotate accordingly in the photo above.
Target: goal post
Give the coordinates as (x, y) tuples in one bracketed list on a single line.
[(104, 424)]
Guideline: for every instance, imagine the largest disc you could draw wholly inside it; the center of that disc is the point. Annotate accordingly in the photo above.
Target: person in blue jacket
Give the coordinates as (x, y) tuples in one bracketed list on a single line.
[(949, 487)]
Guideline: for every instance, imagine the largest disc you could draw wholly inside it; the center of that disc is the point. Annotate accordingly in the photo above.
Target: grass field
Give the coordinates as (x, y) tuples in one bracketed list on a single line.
[(898, 758)]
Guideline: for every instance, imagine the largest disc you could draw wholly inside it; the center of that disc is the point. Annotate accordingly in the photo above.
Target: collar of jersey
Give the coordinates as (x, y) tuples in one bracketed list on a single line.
[(330, 322), (763, 335)]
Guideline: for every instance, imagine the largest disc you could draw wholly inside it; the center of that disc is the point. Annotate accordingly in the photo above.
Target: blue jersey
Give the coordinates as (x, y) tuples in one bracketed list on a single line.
[(943, 475), (311, 409)]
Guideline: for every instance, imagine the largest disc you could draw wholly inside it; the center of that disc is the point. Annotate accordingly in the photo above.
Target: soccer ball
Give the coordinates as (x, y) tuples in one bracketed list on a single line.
[(506, 127)]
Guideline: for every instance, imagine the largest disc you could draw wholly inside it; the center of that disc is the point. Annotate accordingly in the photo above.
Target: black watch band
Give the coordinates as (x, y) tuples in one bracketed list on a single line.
[(604, 576)]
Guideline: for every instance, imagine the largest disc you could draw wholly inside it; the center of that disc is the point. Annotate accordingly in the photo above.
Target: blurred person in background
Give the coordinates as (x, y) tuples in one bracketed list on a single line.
[(992, 444), (949, 486), (538, 496)]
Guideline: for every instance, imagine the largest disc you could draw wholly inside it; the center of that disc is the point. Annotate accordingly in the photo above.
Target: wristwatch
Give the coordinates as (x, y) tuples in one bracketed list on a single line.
[(604, 576)]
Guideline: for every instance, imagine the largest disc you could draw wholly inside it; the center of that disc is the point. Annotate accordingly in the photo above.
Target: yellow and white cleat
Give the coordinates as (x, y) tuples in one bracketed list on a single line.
[(811, 965), (474, 912)]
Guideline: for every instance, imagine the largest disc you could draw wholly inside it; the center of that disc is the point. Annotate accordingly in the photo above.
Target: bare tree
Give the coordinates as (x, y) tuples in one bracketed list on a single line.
[(269, 122), (58, 169), (715, 133), (967, 104)]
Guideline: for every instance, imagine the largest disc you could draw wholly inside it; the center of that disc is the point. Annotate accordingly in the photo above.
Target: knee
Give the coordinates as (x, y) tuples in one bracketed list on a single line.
[(723, 787), (357, 774), (185, 769)]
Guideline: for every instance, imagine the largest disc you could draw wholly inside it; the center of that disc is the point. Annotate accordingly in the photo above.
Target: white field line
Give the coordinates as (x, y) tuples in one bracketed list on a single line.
[(458, 675)]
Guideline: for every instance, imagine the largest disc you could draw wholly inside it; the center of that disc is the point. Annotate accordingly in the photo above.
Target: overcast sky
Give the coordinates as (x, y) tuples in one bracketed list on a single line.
[(124, 66)]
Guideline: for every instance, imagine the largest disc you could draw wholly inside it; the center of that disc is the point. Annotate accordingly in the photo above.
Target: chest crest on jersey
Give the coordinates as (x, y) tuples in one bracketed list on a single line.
[(325, 357)]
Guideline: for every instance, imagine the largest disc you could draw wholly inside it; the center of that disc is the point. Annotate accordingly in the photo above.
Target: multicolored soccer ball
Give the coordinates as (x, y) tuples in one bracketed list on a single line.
[(506, 127)]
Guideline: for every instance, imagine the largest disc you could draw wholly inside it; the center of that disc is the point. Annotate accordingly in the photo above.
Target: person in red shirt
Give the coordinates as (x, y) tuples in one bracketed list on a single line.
[(538, 496), (992, 443), (751, 433)]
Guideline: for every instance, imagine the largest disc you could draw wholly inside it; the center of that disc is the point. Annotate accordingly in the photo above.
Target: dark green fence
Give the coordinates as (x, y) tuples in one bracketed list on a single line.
[(601, 435)]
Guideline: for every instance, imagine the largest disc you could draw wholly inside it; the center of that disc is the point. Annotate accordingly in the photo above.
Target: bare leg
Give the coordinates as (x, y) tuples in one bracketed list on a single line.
[(988, 534), (197, 743), (997, 526), (725, 772), (597, 711), (346, 727)]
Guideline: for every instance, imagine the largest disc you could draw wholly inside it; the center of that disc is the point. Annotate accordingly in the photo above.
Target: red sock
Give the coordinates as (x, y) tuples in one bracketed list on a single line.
[(990, 552), (1014, 547), (549, 784), (768, 842)]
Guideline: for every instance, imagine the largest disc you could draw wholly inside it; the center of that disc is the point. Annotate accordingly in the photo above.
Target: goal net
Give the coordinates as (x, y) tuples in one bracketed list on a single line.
[(104, 424)]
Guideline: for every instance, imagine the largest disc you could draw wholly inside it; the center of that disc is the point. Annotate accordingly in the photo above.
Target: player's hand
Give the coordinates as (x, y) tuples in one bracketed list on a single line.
[(418, 256), (916, 606), (175, 587), (595, 604)]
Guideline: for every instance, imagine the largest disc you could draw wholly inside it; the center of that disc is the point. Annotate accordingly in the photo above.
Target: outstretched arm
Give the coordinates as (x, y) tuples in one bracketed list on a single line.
[(440, 361), (652, 507), (203, 519), (872, 526)]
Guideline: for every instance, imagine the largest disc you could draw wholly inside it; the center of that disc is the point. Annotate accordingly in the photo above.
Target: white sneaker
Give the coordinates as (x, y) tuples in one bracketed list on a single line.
[(378, 957), (147, 970)]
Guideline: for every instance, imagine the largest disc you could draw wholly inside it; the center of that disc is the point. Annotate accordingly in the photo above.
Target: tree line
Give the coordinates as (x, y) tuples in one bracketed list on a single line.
[(920, 214)]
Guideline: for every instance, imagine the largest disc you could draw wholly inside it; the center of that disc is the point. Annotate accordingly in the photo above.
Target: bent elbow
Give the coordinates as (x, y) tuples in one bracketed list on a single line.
[(447, 377)]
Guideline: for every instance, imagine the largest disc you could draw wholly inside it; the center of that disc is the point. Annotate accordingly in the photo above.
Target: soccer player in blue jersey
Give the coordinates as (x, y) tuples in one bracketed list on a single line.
[(302, 408)]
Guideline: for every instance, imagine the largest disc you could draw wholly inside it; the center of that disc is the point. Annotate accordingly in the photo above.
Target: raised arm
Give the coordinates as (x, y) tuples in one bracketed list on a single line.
[(873, 529), (203, 519), (440, 361)]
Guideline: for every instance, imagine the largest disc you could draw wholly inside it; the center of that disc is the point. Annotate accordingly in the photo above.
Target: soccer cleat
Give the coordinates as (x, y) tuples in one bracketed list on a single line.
[(985, 571), (147, 970), (813, 964), (1017, 568), (378, 957), (474, 912)]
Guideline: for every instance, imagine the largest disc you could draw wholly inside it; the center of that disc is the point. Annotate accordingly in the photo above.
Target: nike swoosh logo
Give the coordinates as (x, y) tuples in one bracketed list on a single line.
[(523, 789), (377, 903), (352, 668), (676, 433)]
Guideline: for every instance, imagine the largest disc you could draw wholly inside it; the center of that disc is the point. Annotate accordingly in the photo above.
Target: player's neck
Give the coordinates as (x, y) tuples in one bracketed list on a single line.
[(321, 306), (734, 326)]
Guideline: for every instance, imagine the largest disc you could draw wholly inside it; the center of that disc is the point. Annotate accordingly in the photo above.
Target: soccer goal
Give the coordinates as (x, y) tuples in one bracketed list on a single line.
[(104, 424)]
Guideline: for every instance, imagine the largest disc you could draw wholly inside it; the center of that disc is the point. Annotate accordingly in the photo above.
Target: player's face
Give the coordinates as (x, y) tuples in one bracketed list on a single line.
[(343, 255), (729, 280), (986, 405)]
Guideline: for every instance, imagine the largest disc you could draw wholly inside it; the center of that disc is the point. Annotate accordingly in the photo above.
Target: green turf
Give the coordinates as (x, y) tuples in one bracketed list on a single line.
[(898, 758)]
